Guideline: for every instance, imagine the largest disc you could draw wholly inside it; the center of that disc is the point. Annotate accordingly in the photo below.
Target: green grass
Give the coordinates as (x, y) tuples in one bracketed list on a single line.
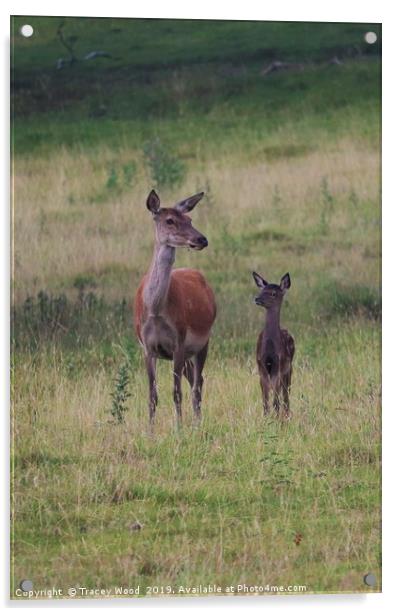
[(154, 43), (255, 109), (290, 167), (213, 503), (162, 79)]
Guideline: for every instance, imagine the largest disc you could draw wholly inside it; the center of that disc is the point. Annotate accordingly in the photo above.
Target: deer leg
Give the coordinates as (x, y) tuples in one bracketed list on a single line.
[(188, 372), (276, 402), (286, 390), (277, 391), (198, 364), (264, 382), (177, 372), (150, 363)]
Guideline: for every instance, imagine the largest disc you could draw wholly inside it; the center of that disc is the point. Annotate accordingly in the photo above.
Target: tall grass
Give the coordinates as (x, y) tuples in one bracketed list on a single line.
[(215, 504), (110, 241), (228, 500)]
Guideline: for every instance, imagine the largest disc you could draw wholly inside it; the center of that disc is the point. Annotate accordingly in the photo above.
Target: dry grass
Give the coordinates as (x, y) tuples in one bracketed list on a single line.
[(214, 504), (213, 509), (60, 233)]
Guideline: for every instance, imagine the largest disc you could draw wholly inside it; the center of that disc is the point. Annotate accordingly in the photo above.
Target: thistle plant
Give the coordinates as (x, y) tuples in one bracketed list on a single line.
[(120, 394)]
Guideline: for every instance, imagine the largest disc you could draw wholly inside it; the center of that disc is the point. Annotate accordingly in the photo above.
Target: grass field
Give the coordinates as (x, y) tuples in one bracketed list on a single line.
[(290, 163)]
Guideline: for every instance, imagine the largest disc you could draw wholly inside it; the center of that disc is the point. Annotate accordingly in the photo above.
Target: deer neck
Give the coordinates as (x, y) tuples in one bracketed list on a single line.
[(272, 325), (157, 286)]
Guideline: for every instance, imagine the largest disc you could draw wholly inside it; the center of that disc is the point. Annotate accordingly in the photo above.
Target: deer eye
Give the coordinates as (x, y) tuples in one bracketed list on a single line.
[(169, 221)]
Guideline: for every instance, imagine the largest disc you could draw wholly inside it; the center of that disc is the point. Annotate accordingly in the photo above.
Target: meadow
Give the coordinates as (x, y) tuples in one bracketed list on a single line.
[(290, 164)]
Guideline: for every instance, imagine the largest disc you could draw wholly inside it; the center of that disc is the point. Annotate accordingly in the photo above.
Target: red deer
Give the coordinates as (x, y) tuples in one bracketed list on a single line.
[(174, 308), (275, 346)]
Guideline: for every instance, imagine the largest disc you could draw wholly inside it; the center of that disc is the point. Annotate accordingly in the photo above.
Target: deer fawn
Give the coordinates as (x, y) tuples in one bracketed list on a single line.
[(275, 346), (174, 309)]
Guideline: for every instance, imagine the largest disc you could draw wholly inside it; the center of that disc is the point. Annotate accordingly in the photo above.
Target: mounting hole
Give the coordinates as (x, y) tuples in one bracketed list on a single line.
[(370, 37), (370, 579), (26, 585), (26, 30)]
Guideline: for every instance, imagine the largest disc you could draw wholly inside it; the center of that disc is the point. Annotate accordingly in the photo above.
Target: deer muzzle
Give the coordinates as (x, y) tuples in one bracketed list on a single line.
[(199, 243)]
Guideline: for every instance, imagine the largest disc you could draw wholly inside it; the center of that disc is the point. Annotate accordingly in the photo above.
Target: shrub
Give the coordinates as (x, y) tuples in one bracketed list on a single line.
[(120, 394), (165, 168), (71, 322), (341, 300)]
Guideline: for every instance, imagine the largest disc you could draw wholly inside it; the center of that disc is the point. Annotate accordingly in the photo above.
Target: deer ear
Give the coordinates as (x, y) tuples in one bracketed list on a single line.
[(285, 282), (186, 205), (260, 282), (153, 202)]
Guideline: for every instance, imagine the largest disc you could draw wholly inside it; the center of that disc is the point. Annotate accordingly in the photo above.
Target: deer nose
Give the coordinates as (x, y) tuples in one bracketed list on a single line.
[(203, 241)]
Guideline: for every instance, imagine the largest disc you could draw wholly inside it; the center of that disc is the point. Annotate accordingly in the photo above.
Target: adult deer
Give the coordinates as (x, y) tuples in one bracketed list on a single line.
[(275, 346), (174, 309)]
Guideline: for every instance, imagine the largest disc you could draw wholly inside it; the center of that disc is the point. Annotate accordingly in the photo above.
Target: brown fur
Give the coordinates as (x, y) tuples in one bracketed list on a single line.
[(280, 381), (190, 304), (275, 346), (174, 309), (286, 355)]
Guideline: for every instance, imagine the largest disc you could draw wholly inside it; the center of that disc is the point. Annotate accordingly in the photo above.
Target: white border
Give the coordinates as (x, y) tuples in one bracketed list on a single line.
[(289, 10), (305, 10)]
